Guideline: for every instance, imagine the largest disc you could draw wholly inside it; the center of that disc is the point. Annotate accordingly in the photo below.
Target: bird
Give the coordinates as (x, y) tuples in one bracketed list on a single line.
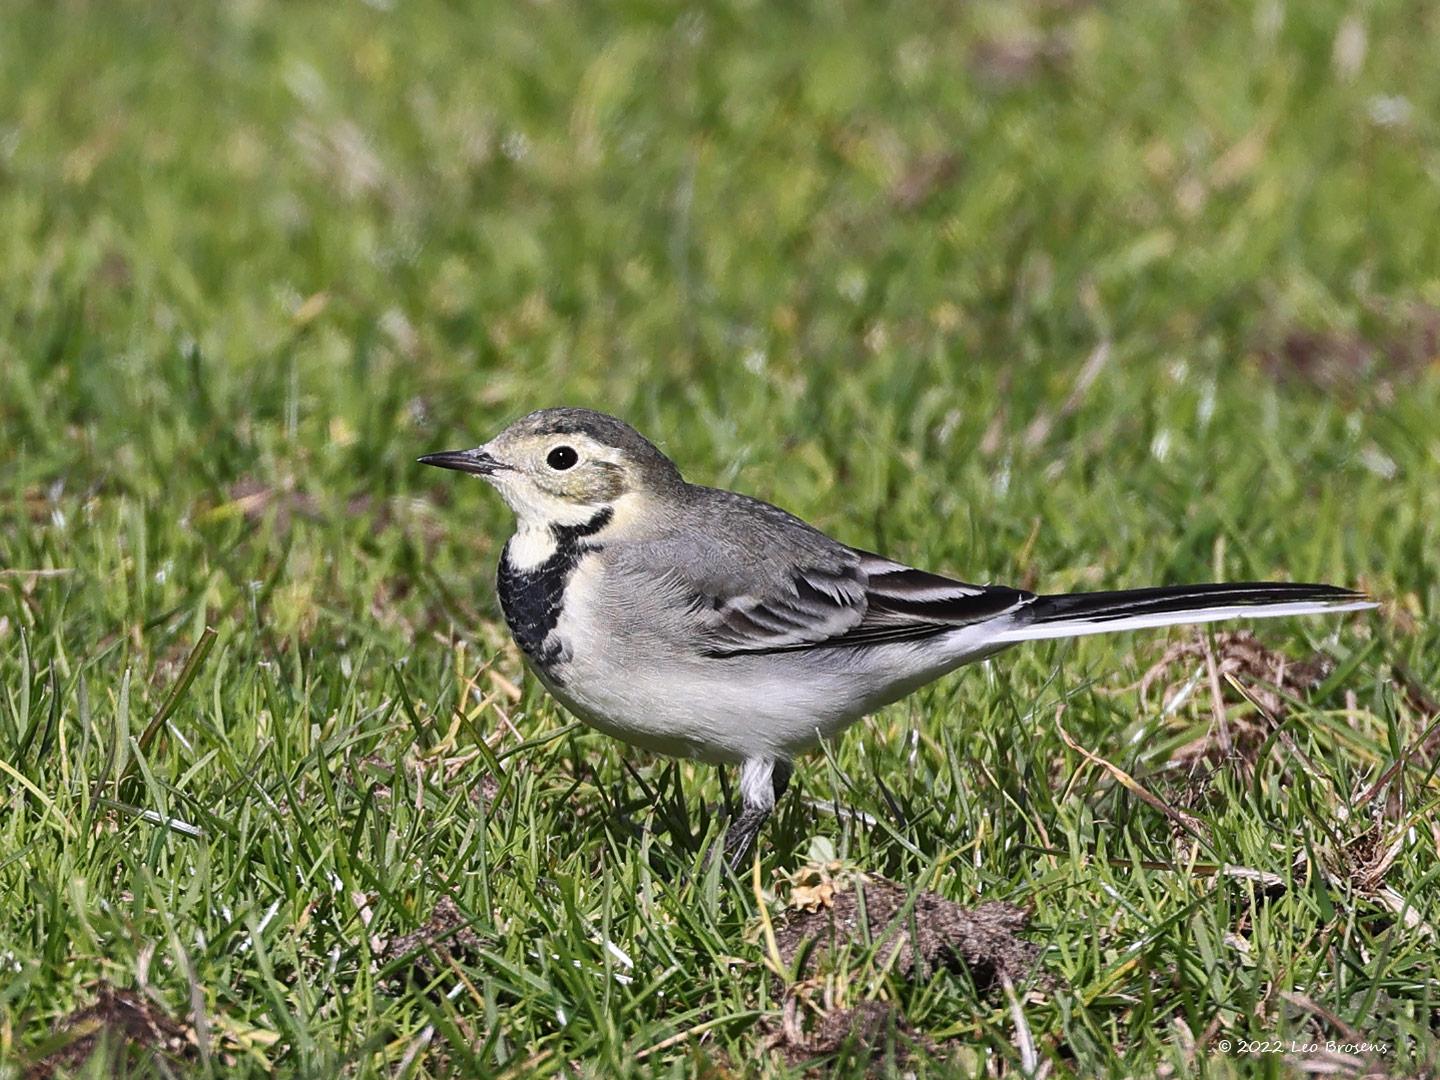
[(701, 623)]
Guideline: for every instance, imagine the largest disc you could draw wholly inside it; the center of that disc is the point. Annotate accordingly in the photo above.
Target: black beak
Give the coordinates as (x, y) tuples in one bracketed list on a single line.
[(472, 461)]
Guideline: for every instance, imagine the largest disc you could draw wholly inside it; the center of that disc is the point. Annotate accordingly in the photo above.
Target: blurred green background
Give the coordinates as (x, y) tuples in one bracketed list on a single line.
[(1070, 294)]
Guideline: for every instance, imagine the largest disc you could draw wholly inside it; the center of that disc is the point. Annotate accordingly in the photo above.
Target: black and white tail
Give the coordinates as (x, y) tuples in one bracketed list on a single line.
[(1077, 614)]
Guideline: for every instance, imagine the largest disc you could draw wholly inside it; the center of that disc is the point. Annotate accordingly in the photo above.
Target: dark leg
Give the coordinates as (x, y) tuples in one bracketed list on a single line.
[(762, 782)]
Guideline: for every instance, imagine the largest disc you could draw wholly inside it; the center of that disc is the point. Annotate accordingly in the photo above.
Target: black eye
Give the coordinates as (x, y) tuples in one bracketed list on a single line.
[(561, 458)]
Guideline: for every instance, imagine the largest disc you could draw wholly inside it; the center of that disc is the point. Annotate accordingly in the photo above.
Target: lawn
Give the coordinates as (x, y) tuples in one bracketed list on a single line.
[(1055, 293)]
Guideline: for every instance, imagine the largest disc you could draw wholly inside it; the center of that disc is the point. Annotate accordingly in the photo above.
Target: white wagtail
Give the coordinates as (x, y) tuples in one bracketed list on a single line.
[(705, 624)]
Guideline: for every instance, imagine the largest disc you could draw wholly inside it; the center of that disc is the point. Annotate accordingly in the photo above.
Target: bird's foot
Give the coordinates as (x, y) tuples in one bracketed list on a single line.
[(762, 782), (740, 836)]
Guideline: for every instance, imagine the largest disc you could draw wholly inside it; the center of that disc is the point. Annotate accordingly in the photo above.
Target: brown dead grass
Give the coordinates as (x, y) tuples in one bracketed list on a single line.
[(925, 178), (1243, 720), (255, 501), (1019, 58), (1403, 342)]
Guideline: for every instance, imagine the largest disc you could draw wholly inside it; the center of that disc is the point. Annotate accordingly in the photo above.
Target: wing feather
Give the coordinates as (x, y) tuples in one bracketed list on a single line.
[(865, 601)]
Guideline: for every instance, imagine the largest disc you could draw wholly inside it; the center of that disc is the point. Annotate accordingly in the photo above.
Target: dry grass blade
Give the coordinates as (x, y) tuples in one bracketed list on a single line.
[(1416, 747), (1186, 821), (1039, 429), (1024, 1041), (187, 676)]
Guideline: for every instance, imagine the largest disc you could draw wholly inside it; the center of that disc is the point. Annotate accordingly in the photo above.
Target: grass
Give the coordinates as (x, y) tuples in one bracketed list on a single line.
[(1051, 293)]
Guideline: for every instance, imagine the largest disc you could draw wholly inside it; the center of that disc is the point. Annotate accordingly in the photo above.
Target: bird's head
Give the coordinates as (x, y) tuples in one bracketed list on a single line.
[(563, 466)]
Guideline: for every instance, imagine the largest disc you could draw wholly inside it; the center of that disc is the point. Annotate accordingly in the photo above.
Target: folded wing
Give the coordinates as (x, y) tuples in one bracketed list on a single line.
[(860, 599)]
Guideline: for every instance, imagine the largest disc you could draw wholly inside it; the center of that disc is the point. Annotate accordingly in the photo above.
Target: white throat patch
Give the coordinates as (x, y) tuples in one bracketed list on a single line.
[(534, 540), (531, 545)]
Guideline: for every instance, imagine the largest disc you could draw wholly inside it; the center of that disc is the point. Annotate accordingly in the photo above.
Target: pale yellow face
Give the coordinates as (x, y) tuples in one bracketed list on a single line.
[(560, 477), (563, 466)]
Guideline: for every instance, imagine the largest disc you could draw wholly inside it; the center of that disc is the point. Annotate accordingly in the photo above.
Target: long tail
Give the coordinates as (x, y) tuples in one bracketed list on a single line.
[(1077, 614)]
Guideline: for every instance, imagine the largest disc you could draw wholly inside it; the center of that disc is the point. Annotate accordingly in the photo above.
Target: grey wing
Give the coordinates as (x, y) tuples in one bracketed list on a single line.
[(743, 603), (810, 605)]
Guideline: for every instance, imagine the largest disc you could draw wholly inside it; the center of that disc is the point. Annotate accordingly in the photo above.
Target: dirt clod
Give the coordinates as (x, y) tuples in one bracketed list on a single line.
[(838, 917), (935, 933), (446, 934), (124, 1026), (865, 1029)]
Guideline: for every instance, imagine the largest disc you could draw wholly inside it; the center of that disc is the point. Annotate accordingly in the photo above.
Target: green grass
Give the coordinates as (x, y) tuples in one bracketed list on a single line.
[(256, 257)]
